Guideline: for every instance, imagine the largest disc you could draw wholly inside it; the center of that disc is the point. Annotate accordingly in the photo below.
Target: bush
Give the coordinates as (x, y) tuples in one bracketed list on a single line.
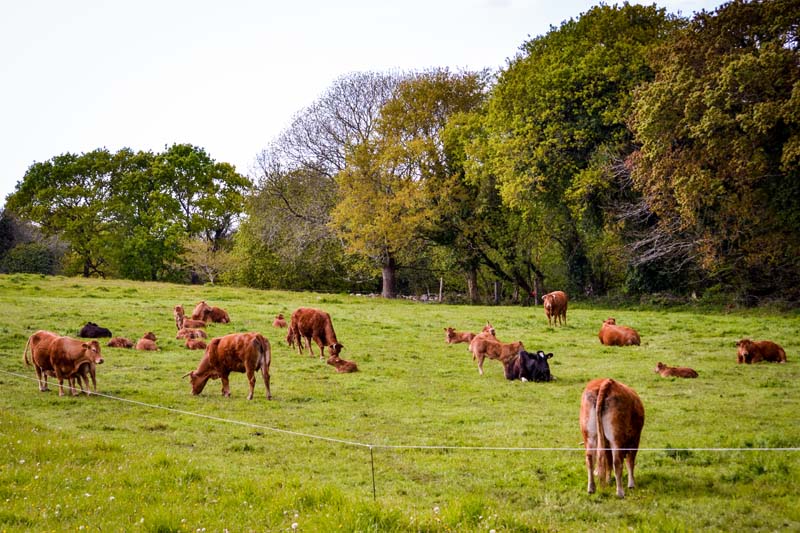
[(31, 258)]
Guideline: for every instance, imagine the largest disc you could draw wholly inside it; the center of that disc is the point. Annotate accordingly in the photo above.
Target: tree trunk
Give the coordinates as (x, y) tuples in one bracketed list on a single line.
[(472, 285), (441, 289), (389, 272)]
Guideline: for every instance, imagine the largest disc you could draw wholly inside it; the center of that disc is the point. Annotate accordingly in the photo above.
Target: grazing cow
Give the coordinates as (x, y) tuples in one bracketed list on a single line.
[(236, 352), (555, 307), (120, 342), (279, 321), (484, 345), (147, 342), (93, 331), (613, 335), (195, 344), (529, 367), (674, 371), (342, 366), (308, 324), (451, 336), (67, 355), (182, 322), (190, 333), (39, 344), (612, 417), (757, 351)]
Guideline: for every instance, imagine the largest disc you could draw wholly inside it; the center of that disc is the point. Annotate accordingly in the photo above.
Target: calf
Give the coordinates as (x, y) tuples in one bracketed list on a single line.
[(342, 366), (206, 313), (529, 367), (613, 335), (674, 371), (237, 352), (67, 355), (39, 344), (191, 333), (279, 321), (757, 351), (120, 342), (451, 336), (182, 322), (555, 307), (147, 342), (308, 324), (195, 344), (93, 331), (483, 346), (611, 419)]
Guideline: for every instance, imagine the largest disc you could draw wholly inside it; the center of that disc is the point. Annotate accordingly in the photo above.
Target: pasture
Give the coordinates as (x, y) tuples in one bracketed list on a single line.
[(451, 450)]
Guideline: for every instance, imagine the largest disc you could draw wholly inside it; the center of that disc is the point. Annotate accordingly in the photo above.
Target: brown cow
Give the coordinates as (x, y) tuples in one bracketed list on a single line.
[(68, 354), (342, 366), (484, 345), (195, 344), (757, 351), (190, 333), (308, 324), (207, 313), (39, 345), (147, 342), (200, 311), (120, 342), (674, 371), (611, 419), (555, 307), (236, 352), (451, 336), (183, 322), (279, 321), (613, 335)]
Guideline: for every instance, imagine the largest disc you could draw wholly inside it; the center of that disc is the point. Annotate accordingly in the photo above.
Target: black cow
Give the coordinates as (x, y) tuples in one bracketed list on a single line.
[(529, 367), (93, 331)]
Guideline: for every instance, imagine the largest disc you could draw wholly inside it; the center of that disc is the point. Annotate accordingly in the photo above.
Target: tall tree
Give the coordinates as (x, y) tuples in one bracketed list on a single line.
[(719, 128)]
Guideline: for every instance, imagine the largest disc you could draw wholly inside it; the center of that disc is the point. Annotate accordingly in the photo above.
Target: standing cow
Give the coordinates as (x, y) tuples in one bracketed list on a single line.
[(67, 355), (237, 352), (39, 345), (555, 307), (307, 323), (484, 345), (611, 419)]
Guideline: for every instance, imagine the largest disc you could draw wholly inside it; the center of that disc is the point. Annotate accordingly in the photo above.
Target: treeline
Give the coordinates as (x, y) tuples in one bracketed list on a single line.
[(626, 152)]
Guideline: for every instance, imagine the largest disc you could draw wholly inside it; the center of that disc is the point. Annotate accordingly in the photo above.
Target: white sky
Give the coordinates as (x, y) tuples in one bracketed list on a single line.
[(226, 76)]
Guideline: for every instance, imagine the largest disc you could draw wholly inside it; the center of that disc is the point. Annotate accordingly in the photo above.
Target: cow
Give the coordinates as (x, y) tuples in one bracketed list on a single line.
[(279, 321), (66, 357), (555, 307), (195, 344), (191, 333), (93, 331), (674, 371), (484, 345), (611, 334), (529, 367), (183, 322), (451, 336), (39, 345), (342, 366), (308, 324), (207, 313), (611, 420), (147, 342), (200, 311), (756, 351), (120, 342), (236, 352)]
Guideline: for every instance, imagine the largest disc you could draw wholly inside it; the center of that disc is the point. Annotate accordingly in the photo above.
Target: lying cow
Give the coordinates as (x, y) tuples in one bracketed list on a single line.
[(529, 367), (757, 351), (183, 322), (93, 331), (484, 345), (191, 333), (342, 366), (279, 321), (674, 371), (195, 344), (237, 352), (611, 420), (207, 313), (308, 324), (67, 355), (613, 335), (120, 342), (555, 307), (147, 342)]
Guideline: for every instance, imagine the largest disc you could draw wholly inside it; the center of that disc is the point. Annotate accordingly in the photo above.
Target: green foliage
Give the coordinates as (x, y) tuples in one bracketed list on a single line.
[(32, 257)]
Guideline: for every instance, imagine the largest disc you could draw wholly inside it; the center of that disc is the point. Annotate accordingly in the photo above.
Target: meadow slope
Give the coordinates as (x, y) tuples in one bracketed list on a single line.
[(450, 450)]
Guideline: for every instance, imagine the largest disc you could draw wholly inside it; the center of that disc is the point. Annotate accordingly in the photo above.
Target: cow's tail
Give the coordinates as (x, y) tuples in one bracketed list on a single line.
[(601, 462), (262, 346), (25, 352)]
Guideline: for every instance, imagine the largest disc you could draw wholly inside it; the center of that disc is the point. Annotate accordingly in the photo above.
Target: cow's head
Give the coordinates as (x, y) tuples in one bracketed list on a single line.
[(489, 328), (744, 352), (659, 367), (611, 321), (91, 350), (449, 335), (335, 349), (150, 335), (198, 381), (536, 366), (179, 310)]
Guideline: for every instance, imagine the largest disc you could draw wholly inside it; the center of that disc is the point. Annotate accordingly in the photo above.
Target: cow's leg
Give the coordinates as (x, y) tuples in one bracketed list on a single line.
[(310, 349), (617, 459), (251, 380), (630, 461), (321, 349), (590, 466), (226, 388), (40, 374), (481, 357), (265, 375)]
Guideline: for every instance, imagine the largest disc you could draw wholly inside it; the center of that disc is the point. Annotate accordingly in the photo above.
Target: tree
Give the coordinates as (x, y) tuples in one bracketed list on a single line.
[(720, 145), (201, 256)]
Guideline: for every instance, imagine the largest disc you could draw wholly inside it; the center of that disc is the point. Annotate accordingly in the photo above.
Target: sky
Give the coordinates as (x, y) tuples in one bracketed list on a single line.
[(227, 76)]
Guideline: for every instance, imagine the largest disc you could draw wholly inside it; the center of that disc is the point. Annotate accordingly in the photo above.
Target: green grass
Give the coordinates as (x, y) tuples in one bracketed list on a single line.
[(165, 460)]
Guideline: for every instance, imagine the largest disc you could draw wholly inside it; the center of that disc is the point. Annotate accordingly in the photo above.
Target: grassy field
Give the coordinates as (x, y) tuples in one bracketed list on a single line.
[(451, 450)]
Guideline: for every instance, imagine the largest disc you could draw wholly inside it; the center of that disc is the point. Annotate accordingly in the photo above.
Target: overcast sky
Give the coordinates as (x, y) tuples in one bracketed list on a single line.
[(226, 76)]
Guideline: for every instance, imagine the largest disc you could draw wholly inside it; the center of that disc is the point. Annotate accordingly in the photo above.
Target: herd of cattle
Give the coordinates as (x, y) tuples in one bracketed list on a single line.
[(611, 416)]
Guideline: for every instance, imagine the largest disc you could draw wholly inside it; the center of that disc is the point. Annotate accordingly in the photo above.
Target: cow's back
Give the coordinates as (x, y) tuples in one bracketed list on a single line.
[(309, 322), (40, 344)]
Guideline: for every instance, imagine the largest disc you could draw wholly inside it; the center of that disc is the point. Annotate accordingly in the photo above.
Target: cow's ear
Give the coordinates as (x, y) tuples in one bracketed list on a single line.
[(548, 356), (85, 346)]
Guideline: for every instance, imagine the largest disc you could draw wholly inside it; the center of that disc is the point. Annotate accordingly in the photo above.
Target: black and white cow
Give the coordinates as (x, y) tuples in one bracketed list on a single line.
[(529, 367)]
